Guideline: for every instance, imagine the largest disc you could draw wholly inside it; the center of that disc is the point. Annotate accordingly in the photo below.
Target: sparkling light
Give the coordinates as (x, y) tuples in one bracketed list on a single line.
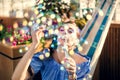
[(41, 57), (84, 79), (86, 42), (62, 68), (59, 19), (20, 51), (88, 16), (79, 68), (1, 27), (52, 45), (25, 22), (62, 62), (52, 16), (49, 23), (77, 14), (26, 48), (51, 31), (36, 11), (56, 31), (3, 41), (15, 25), (89, 75), (41, 1), (11, 38), (101, 13), (80, 48), (38, 21), (47, 54), (68, 65), (43, 19), (30, 23), (71, 52), (26, 14)]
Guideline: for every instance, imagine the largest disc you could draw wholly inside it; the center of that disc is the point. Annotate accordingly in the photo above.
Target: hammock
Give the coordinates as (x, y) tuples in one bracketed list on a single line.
[(94, 33)]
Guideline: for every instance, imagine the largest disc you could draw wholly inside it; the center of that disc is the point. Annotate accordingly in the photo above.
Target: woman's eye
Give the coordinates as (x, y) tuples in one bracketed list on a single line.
[(61, 29), (70, 30)]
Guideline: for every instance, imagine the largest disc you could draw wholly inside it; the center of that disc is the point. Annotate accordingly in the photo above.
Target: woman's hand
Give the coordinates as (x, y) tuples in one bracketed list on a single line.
[(70, 66), (36, 36)]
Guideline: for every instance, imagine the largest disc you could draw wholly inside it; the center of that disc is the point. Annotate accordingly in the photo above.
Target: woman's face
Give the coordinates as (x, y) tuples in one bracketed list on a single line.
[(68, 34)]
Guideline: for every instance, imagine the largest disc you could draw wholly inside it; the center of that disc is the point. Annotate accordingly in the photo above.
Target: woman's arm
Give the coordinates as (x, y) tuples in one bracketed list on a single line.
[(21, 72)]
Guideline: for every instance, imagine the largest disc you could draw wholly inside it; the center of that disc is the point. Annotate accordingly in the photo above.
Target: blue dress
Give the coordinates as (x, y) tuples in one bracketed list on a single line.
[(52, 70)]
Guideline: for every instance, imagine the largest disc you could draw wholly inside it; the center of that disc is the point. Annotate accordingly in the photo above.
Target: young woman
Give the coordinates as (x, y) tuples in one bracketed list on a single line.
[(57, 66)]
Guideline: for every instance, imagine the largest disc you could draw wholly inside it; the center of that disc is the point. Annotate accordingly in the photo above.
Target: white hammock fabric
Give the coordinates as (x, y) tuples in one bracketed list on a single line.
[(94, 33)]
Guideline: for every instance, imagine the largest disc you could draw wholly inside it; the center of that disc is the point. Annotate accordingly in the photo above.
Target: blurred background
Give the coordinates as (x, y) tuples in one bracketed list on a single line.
[(15, 16)]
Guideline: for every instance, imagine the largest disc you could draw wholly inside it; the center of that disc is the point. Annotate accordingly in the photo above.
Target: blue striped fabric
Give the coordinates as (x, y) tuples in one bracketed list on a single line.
[(90, 28), (99, 33)]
